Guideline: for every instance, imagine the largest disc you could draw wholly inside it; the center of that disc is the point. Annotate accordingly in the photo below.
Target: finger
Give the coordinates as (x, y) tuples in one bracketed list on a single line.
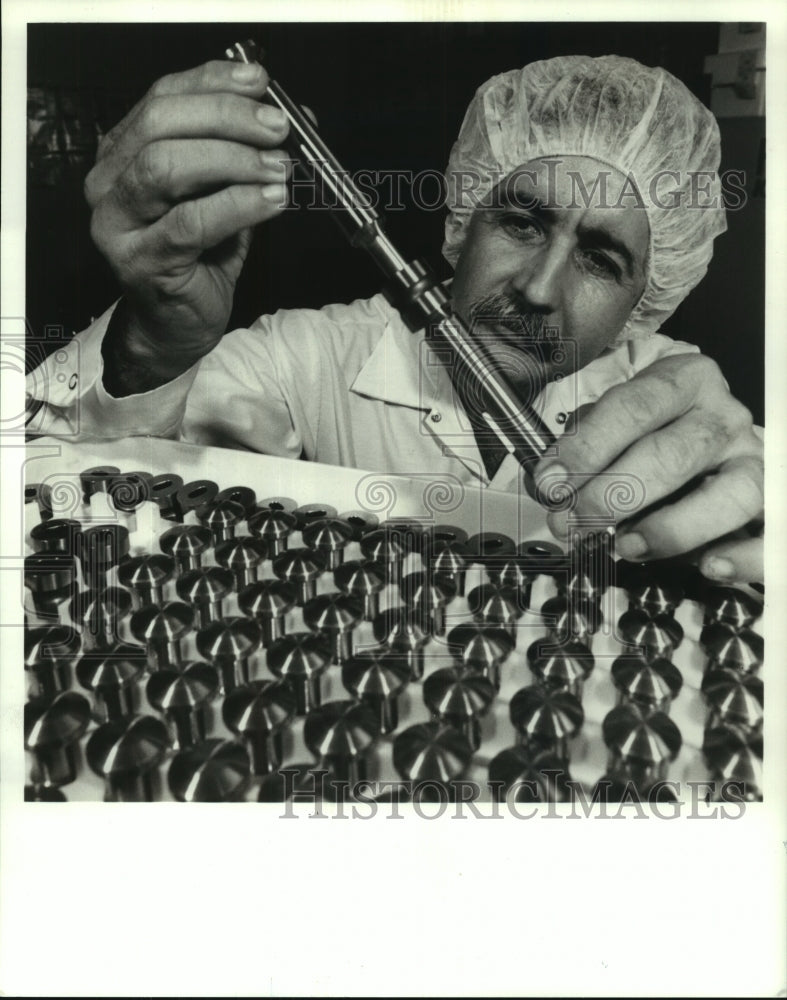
[(213, 116), (734, 562), (193, 226), (656, 396), (720, 504), (246, 79), (213, 76), (172, 170)]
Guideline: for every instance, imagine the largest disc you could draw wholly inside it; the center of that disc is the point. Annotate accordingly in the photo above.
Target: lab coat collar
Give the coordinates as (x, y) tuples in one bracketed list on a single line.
[(393, 371)]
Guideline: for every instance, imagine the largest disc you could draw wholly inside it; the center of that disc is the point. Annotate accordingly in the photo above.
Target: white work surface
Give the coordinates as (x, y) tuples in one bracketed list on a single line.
[(432, 502)]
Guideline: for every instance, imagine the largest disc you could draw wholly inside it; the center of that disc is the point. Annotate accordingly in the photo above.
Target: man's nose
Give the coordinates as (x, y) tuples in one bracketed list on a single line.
[(539, 281)]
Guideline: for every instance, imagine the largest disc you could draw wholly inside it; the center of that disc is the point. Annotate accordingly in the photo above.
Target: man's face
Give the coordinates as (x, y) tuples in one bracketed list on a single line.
[(533, 261)]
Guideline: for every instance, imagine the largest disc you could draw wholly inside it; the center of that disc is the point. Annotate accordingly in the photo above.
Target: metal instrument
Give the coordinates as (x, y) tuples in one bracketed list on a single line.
[(414, 289)]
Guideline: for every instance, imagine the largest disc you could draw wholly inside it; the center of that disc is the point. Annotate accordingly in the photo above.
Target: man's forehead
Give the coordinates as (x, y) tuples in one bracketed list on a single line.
[(569, 182)]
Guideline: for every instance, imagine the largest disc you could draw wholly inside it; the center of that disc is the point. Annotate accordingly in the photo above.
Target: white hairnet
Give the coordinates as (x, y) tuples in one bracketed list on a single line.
[(638, 119)]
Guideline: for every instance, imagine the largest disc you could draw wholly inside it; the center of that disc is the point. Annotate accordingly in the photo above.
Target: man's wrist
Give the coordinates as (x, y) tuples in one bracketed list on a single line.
[(133, 363)]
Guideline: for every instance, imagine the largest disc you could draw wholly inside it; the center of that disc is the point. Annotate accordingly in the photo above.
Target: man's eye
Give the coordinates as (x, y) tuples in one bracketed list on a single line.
[(598, 263), (520, 226)]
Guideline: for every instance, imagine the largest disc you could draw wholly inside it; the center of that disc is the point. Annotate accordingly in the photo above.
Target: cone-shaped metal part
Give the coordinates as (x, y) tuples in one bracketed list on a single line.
[(481, 648), (405, 633), (125, 754), (194, 495), (584, 586), (300, 568), (243, 495), (41, 495), (654, 638), (185, 543), (101, 547), (493, 605), (56, 535), (438, 536), (562, 666), (220, 517), (742, 651), (206, 588), (544, 558), (732, 757), (620, 788), (569, 620), (161, 630), (447, 559), (408, 531), (241, 556), (339, 735), (361, 522), (145, 577), (300, 658), (431, 593), (163, 491), (736, 699), (329, 536), (213, 771), (49, 652), (362, 580), (519, 775), (182, 698), (376, 677), (309, 512), (641, 746), (302, 783), (490, 547), (728, 606), (51, 733), (42, 793), (274, 526), (651, 685), (512, 571), (50, 578), (112, 676), (96, 479), (97, 614), (459, 698), (654, 597), (388, 548), (431, 752), (228, 644), (286, 504), (334, 615), (256, 714), (129, 490), (267, 602), (546, 720)]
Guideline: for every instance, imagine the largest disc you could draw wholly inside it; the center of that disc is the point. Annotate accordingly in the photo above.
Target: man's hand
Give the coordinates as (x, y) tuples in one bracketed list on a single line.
[(676, 435), (176, 188)]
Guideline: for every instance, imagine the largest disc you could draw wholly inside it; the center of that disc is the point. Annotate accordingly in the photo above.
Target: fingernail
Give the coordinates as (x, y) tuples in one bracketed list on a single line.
[(631, 546), (246, 72), (275, 193), (556, 471), (273, 162), (557, 523), (719, 568), (271, 117)]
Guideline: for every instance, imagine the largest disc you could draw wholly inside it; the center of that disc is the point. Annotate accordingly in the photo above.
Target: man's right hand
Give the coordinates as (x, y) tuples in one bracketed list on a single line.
[(176, 189)]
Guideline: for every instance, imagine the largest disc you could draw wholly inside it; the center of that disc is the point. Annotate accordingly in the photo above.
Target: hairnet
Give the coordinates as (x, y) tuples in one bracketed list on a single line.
[(638, 119)]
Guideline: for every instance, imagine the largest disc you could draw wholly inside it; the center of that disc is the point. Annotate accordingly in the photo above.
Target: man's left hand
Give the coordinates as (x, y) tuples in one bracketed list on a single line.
[(694, 453)]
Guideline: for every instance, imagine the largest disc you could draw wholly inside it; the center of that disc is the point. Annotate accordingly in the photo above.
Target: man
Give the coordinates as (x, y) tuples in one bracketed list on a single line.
[(583, 203)]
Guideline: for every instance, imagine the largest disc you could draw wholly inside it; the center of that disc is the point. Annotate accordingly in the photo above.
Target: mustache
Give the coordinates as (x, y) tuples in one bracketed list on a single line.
[(501, 311)]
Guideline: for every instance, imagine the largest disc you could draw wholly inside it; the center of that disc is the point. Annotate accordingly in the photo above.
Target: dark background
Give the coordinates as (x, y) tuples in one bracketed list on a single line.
[(388, 97)]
